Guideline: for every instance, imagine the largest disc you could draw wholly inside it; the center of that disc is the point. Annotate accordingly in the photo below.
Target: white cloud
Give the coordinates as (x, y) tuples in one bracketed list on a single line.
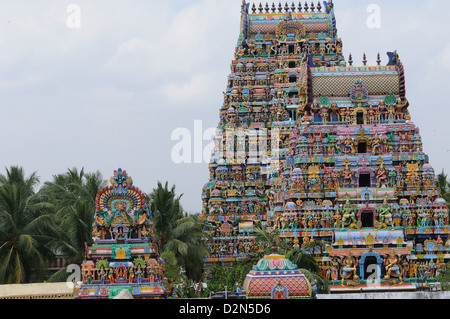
[(189, 41), (132, 55), (443, 58), (189, 92), (136, 68)]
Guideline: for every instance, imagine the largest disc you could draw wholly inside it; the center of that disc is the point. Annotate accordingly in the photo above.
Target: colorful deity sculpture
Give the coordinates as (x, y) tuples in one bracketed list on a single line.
[(385, 213), (348, 214), (393, 267), (349, 270)]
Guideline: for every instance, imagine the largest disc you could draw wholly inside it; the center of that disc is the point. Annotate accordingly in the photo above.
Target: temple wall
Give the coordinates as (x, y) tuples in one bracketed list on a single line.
[(37, 291)]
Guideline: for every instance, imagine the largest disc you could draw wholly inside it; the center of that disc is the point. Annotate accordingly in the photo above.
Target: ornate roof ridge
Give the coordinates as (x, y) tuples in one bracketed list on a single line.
[(283, 9)]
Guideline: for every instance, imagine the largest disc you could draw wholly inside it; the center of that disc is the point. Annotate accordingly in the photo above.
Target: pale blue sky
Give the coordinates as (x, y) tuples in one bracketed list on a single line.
[(110, 94)]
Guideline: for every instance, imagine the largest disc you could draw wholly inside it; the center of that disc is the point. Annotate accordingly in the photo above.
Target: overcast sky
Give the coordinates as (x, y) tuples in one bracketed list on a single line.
[(110, 93)]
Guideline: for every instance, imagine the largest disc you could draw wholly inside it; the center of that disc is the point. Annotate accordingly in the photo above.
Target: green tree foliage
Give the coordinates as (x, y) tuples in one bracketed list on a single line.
[(27, 231), (444, 277), (173, 270), (216, 279), (166, 211), (177, 232), (219, 277), (443, 183), (71, 196), (186, 239)]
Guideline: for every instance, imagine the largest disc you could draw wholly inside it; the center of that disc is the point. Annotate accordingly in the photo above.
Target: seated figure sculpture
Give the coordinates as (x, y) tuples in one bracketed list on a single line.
[(348, 214), (385, 213)]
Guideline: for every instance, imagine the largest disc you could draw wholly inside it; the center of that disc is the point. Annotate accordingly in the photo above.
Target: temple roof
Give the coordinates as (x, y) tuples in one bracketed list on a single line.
[(338, 81), (275, 263), (315, 21), (276, 277)]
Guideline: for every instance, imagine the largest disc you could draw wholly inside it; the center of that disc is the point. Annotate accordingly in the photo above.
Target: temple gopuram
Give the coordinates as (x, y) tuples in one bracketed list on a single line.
[(123, 255), (324, 152)]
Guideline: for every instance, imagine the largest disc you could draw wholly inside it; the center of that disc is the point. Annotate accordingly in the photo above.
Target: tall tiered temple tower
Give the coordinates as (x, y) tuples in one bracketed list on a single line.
[(322, 151)]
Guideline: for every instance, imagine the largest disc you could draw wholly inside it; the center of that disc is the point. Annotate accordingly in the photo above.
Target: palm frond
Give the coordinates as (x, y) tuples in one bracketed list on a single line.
[(59, 276), (6, 255), (178, 246)]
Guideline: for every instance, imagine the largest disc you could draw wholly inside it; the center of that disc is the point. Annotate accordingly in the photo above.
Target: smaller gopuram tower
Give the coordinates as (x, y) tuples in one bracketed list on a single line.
[(123, 254)]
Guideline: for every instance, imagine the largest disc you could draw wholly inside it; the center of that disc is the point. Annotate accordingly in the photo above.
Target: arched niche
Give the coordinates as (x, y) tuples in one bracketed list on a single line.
[(364, 270), (364, 174), (360, 116), (362, 141)]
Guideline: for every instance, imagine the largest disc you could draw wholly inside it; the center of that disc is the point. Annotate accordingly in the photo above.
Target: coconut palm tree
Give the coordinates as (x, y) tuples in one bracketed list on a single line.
[(443, 183), (27, 230), (66, 189), (166, 210), (266, 236), (177, 232), (72, 198), (186, 240)]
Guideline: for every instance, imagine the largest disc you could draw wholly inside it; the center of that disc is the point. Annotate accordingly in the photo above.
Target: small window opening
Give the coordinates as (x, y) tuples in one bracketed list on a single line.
[(291, 49), (360, 118), (362, 148), (364, 180)]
